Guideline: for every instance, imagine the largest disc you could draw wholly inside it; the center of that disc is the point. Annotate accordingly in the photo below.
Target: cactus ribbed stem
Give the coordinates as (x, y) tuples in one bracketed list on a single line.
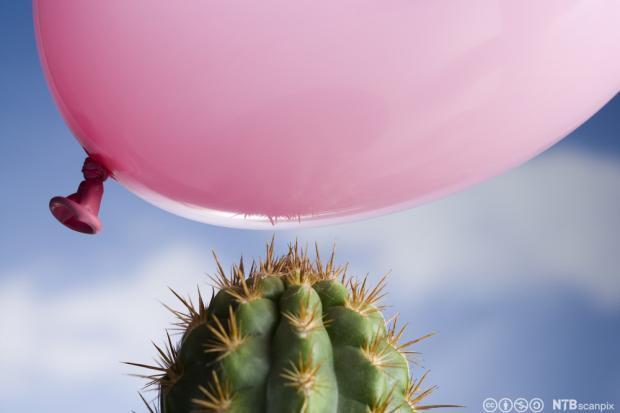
[(293, 335)]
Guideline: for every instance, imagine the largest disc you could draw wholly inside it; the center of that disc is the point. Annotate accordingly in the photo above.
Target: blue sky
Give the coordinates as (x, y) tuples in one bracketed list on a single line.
[(519, 275)]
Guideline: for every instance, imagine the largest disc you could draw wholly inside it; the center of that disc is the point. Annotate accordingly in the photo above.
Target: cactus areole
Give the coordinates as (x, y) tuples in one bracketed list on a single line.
[(293, 335)]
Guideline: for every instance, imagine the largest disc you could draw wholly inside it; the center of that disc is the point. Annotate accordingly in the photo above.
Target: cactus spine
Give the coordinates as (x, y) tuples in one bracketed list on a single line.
[(293, 335)]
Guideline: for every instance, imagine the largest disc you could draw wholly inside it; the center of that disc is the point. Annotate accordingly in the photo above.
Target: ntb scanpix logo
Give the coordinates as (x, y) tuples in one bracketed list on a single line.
[(572, 405), (537, 405)]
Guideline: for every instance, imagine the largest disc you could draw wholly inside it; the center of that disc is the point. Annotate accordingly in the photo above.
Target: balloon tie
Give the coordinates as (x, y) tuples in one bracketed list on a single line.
[(93, 170), (79, 211)]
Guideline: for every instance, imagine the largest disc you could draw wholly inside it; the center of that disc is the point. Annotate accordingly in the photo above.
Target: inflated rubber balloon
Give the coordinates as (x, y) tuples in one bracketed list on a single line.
[(250, 112)]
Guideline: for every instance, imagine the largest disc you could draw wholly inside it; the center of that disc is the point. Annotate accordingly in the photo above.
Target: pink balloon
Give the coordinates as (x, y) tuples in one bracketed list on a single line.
[(242, 112)]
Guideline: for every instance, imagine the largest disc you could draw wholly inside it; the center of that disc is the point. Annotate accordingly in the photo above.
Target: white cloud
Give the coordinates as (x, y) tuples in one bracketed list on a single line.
[(554, 220), (81, 335)]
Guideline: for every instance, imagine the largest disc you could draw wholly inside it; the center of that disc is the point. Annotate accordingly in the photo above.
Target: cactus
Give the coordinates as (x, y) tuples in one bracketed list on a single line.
[(293, 335)]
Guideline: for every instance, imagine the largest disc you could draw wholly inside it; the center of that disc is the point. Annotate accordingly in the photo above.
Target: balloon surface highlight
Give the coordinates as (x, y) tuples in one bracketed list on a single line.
[(248, 113)]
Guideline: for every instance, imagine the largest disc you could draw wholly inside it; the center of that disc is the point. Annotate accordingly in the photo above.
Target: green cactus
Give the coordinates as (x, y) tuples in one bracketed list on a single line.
[(293, 335)]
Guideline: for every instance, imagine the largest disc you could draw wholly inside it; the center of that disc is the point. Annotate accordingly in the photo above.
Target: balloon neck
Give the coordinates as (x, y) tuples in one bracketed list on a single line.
[(80, 210)]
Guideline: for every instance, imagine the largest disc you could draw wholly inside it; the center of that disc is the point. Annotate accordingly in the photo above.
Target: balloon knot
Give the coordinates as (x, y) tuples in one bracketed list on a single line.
[(93, 170)]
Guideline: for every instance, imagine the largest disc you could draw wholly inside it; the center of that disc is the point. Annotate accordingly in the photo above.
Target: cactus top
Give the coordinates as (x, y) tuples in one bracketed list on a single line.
[(293, 335)]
